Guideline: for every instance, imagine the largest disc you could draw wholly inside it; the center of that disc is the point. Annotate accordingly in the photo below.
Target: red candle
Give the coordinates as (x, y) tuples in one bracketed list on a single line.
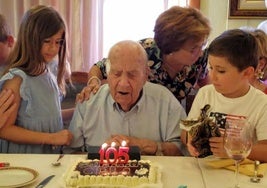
[(111, 150), (102, 152), (123, 153)]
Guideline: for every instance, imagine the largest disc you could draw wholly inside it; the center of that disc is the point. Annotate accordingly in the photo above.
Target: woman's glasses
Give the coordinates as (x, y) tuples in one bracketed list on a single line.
[(197, 49)]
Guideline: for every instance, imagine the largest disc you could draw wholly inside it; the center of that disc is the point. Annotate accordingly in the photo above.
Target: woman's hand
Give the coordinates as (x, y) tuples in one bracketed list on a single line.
[(92, 87), (7, 106)]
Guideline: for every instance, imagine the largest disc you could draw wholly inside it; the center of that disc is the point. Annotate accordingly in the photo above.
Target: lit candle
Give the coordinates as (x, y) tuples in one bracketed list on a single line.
[(123, 152), (111, 150), (102, 152)]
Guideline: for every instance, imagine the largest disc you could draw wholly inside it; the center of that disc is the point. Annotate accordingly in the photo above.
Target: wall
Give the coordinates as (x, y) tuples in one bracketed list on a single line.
[(217, 12)]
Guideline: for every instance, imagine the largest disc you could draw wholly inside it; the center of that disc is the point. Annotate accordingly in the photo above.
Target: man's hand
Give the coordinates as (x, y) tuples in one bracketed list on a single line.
[(146, 146)]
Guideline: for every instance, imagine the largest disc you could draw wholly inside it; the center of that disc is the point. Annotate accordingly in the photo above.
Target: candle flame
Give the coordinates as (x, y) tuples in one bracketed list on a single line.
[(123, 143), (113, 144), (104, 145)]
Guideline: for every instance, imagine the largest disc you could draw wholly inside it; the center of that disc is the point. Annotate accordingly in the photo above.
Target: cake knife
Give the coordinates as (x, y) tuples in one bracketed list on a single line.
[(45, 181)]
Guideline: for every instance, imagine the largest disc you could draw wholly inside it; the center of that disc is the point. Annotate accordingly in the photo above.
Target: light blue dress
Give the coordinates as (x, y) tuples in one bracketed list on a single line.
[(39, 110)]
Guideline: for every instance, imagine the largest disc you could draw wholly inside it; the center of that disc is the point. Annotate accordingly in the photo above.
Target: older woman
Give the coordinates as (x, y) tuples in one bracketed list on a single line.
[(261, 71), (176, 60)]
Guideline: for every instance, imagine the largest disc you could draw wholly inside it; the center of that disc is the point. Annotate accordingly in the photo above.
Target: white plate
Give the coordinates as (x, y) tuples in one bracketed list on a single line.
[(17, 176)]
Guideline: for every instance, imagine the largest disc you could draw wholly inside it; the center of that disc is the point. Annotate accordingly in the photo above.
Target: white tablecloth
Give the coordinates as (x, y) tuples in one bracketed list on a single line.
[(176, 171)]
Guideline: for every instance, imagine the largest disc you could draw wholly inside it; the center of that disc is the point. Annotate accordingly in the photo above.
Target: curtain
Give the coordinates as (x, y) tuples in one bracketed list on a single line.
[(83, 19)]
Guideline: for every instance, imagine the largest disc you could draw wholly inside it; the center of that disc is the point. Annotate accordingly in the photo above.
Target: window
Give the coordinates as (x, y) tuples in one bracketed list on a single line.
[(131, 19)]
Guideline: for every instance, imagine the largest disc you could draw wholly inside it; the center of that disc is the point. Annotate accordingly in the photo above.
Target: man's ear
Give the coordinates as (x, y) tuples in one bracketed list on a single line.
[(10, 41), (147, 72)]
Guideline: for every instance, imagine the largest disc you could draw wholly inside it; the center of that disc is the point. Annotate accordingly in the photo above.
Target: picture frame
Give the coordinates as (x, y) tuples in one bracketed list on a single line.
[(247, 9)]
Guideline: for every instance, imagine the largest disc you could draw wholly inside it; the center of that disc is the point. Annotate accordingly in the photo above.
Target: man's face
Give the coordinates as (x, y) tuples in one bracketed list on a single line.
[(126, 79)]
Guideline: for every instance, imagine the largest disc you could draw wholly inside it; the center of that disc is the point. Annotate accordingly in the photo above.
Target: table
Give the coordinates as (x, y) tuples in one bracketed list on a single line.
[(176, 171)]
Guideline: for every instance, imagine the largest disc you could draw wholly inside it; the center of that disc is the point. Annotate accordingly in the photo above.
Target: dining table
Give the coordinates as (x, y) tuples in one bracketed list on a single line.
[(176, 171)]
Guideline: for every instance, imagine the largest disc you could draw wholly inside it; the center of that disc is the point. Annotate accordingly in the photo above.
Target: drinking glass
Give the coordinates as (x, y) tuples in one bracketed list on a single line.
[(237, 142)]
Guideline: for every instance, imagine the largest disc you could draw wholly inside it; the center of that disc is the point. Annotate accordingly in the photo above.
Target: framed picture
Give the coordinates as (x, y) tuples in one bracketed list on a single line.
[(247, 9)]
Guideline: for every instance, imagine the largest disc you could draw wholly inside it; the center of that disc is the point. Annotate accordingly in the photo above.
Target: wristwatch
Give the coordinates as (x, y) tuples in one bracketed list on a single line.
[(159, 149)]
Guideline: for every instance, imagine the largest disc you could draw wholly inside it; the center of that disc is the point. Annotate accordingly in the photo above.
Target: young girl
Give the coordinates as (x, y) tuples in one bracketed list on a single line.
[(38, 121), (233, 57)]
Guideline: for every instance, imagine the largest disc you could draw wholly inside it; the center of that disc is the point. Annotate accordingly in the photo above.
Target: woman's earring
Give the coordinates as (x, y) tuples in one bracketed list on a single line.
[(259, 74)]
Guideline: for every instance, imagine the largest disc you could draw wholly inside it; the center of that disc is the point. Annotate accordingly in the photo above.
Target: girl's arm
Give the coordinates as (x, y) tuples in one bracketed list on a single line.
[(20, 135), (13, 85), (14, 133), (7, 106)]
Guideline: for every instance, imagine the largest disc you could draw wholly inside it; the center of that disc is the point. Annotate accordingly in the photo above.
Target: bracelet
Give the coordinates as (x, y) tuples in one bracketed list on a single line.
[(159, 149), (94, 77)]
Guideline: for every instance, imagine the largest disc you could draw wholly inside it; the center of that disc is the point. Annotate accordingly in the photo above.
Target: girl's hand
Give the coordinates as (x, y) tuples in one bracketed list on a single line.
[(63, 137)]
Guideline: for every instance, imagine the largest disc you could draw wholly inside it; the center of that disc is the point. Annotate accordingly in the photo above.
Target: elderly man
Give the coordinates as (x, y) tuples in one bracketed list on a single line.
[(129, 108)]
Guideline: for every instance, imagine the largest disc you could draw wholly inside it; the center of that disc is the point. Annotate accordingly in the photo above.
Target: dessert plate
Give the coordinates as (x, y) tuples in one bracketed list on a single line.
[(17, 176)]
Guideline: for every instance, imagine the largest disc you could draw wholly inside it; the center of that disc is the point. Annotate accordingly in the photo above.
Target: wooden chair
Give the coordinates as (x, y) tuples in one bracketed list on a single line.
[(78, 77), (74, 85)]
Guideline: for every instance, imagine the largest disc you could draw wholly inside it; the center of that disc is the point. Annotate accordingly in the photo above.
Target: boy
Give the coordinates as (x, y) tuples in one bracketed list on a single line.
[(6, 43), (233, 58)]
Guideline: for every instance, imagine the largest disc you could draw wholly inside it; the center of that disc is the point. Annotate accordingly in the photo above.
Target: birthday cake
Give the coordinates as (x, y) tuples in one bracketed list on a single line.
[(90, 173), (113, 173)]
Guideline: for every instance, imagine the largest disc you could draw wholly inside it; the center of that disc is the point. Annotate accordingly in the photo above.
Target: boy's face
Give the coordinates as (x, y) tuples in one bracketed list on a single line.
[(226, 78)]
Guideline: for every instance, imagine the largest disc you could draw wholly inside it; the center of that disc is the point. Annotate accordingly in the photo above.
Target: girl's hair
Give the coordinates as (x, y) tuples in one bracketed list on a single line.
[(238, 46), (38, 23), (5, 30), (177, 25)]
